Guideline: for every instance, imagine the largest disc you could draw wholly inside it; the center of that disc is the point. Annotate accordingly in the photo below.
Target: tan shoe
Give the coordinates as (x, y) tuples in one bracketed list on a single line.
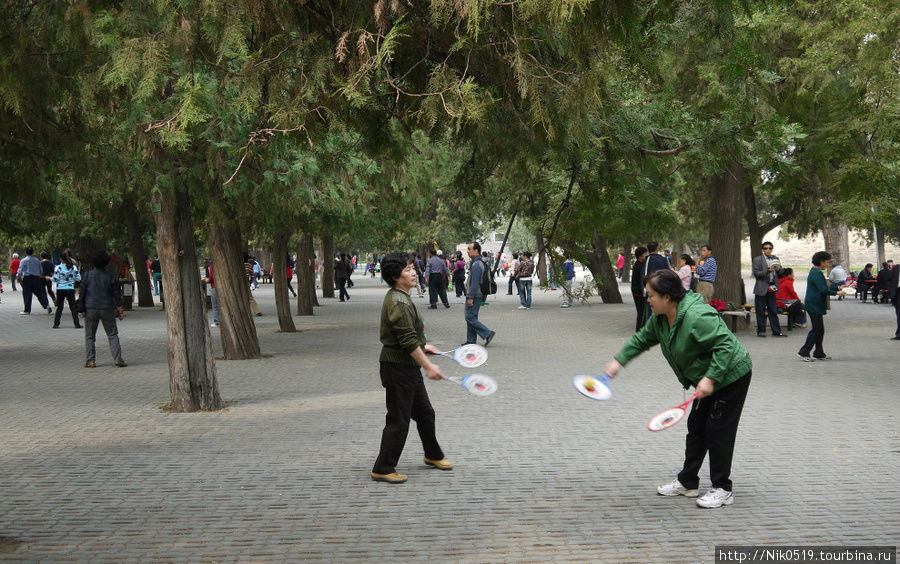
[(121, 364), (392, 478), (90, 365), (442, 464)]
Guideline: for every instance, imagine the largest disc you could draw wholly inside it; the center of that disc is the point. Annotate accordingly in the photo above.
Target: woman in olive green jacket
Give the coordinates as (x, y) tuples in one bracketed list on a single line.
[(816, 305), (704, 354)]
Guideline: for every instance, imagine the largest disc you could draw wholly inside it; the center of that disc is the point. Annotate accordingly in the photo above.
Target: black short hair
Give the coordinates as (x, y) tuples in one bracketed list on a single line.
[(100, 259), (29, 251), (868, 265), (666, 283), (45, 255), (639, 251), (769, 243), (476, 245), (652, 247), (820, 257), (392, 266), (786, 272), (708, 248), (687, 260), (433, 252)]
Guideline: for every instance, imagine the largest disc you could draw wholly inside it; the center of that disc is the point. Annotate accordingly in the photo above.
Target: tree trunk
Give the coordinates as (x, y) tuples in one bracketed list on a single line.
[(193, 385), (753, 227), (279, 280), (726, 210), (541, 270), (306, 276), (629, 258), (239, 338), (837, 244), (603, 271), (879, 248), (135, 232), (327, 262)]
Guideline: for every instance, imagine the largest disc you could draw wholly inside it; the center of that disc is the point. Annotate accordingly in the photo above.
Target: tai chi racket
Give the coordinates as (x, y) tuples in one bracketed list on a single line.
[(594, 387), (476, 384), (467, 356), (669, 417)]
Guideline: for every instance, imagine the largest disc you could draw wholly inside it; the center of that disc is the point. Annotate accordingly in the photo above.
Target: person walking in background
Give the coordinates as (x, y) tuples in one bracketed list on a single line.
[(289, 273), (788, 299), (568, 268), (882, 291), (66, 276), (620, 265), (248, 272), (512, 273), (816, 304), (637, 286), (894, 296), (524, 271), (102, 302), (459, 275), (156, 273), (707, 269), (403, 355), (436, 274), (652, 263), (14, 270), (210, 281), (342, 272), (47, 275), (31, 275), (766, 269), (475, 297)]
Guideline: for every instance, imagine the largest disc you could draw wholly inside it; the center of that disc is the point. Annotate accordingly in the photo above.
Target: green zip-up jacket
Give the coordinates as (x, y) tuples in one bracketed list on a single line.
[(697, 345), (817, 292), (402, 329)]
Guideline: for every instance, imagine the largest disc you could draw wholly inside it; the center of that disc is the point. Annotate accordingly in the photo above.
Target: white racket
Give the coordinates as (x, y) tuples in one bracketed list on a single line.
[(467, 356), (668, 418), (594, 387), (476, 384)]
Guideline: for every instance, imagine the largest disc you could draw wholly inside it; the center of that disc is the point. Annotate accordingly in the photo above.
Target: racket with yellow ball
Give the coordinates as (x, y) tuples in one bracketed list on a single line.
[(594, 387)]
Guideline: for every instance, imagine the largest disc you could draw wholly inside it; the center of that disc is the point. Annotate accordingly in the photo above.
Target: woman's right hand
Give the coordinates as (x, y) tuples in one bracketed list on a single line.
[(433, 371), (612, 368)]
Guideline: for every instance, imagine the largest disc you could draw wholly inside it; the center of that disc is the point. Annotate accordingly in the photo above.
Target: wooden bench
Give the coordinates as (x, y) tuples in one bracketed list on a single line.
[(731, 318), (750, 308)]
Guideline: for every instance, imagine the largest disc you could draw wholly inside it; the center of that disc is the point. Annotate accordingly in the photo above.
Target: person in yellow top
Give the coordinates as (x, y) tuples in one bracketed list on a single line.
[(402, 358)]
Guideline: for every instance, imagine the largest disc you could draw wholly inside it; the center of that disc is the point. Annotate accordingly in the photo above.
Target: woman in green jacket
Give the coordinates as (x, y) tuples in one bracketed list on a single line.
[(402, 357), (704, 354), (816, 305)]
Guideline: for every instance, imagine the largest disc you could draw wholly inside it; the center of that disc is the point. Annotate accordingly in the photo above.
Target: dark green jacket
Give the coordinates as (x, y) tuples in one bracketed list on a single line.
[(817, 293), (402, 329), (697, 345)]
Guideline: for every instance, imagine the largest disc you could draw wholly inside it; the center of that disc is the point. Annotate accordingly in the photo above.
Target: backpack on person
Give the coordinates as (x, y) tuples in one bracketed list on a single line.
[(487, 284)]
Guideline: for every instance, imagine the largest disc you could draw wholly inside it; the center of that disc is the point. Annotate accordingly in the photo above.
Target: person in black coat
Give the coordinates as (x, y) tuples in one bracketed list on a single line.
[(637, 286), (894, 296)]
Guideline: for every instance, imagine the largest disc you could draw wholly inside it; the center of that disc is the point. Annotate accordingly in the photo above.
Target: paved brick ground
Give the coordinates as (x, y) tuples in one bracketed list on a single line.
[(90, 469)]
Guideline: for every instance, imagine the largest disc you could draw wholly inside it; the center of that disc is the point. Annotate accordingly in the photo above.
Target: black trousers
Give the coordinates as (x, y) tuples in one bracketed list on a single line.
[(897, 312), (815, 336), (640, 302), (766, 304), (406, 398), (459, 285), (342, 289), (712, 427), (437, 287), (34, 286), (63, 296)]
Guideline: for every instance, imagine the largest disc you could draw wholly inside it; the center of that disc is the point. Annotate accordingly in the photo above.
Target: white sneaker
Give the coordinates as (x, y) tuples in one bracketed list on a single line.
[(213, 324), (522, 307), (715, 497), (675, 488)]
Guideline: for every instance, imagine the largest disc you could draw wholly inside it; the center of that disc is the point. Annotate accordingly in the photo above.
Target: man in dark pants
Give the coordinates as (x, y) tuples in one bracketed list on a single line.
[(766, 270), (436, 274), (31, 277), (652, 263), (894, 295)]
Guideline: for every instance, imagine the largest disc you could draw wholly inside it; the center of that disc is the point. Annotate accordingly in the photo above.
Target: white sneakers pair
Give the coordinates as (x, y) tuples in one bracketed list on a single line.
[(715, 497)]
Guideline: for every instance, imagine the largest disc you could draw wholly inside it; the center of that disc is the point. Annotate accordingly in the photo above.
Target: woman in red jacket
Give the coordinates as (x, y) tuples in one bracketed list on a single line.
[(788, 299)]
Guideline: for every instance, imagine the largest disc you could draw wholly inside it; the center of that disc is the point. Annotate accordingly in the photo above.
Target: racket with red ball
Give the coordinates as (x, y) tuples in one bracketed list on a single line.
[(670, 417), (467, 356), (594, 387), (476, 384)]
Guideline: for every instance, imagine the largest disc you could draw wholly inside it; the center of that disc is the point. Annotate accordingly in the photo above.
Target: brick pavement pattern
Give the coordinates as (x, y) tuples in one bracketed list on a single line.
[(91, 469)]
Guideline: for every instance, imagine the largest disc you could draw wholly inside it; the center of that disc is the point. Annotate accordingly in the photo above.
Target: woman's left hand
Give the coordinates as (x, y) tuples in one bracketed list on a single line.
[(431, 349), (705, 387)]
